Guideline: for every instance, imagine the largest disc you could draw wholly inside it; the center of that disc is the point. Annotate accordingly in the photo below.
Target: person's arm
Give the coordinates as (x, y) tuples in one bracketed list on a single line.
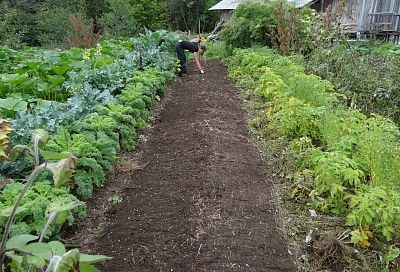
[(196, 58)]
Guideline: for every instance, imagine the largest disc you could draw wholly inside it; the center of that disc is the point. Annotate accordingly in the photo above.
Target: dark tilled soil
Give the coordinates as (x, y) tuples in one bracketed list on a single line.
[(196, 196)]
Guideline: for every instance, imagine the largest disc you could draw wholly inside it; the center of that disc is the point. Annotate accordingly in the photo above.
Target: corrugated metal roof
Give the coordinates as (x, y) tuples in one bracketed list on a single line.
[(233, 4), (225, 4), (301, 3)]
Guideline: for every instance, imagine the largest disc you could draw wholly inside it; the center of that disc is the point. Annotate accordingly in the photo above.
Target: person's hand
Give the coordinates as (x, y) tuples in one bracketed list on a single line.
[(201, 71)]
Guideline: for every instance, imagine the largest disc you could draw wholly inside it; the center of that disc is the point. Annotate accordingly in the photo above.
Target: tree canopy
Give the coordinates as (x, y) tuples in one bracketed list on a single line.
[(48, 22)]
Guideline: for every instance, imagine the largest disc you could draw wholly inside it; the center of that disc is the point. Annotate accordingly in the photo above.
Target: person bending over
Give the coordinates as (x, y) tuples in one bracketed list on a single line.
[(194, 47)]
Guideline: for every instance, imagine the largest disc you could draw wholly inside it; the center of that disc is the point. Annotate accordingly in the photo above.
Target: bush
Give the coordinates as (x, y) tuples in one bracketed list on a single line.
[(119, 19), (15, 27), (250, 25), (270, 23), (368, 77), (54, 26)]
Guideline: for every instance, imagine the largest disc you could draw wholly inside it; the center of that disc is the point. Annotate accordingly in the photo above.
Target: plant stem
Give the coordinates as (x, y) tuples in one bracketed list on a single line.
[(48, 223), (32, 177), (36, 150)]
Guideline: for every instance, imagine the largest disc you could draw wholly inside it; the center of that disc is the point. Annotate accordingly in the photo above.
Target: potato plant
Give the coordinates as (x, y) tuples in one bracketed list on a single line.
[(347, 159)]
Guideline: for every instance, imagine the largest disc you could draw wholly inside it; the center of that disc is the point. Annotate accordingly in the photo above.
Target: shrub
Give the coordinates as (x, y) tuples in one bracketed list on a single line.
[(119, 19), (250, 25), (54, 26), (368, 77)]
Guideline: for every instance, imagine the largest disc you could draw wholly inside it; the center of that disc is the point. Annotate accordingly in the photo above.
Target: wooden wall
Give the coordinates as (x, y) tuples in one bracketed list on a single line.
[(364, 14)]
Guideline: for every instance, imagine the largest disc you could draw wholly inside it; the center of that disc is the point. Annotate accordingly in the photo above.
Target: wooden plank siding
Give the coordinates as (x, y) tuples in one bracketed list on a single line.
[(368, 16)]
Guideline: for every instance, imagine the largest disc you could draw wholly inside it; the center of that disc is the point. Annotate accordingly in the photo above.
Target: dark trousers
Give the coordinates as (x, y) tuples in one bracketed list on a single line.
[(180, 52)]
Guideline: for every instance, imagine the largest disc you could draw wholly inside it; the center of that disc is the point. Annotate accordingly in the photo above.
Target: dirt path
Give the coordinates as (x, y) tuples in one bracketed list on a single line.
[(195, 196)]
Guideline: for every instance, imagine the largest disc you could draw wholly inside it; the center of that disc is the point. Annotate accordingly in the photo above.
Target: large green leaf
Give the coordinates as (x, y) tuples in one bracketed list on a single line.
[(36, 261), (62, 210), (88, 268), (14, 104), (57, 248), (20, 241), (42, 250), (6, 212), (55, 156), (32, 63), (13, 78), (69, 262), (91, 259), (56, 80), (60, 70)]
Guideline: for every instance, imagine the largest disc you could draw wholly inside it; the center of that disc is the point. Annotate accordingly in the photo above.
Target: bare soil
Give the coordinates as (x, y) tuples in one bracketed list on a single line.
[(196, 194)]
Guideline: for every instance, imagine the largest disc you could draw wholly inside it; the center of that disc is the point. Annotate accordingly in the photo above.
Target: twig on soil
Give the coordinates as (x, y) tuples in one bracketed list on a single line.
[(198, 251)]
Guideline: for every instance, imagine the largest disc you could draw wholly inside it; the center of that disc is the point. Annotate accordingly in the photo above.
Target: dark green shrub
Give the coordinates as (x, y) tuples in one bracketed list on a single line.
[(54, 26), (119, 19), (250, 25)]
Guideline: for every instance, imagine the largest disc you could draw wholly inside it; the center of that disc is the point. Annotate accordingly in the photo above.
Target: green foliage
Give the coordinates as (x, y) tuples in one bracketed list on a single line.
[(150, 14), (16, 26), (119, 19), (375, 208), (292, 32), (348, 160), (270, 23), (80, 80), (54, 26), (33, 217), (126, 123), (335, 177), (27, 255), (186, 14), (37, 23), (89, 175), (368, 76), (295, 119), (250, 25), (94, 152), (93, 124), (217, 50)]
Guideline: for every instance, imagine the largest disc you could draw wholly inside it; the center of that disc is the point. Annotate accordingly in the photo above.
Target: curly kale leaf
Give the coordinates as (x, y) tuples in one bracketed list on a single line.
[(88, 175), (33, 218), (77, 144)]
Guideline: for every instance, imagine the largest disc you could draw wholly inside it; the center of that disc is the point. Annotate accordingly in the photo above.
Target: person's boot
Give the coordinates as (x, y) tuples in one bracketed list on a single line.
[(184, 71)]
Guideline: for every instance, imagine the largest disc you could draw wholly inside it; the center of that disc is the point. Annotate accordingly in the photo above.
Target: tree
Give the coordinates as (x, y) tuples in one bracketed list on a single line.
[(186, 14), (94, 10), (119, 19), (150, 14)]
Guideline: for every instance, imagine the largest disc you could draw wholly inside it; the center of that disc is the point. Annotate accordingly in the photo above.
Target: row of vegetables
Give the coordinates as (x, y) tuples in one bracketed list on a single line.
[(346, 163), (99, 103)]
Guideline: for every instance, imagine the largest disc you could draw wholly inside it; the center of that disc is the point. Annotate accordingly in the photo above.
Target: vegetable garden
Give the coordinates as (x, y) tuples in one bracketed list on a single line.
[(93, 102), (325, 111)]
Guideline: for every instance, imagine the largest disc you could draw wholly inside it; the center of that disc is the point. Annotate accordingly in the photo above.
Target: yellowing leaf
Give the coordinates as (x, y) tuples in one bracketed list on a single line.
[(63, 171), (360, 237)]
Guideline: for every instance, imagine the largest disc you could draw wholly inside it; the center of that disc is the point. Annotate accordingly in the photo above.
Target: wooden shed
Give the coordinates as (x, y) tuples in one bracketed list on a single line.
[(226, 8), (370, 17)]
